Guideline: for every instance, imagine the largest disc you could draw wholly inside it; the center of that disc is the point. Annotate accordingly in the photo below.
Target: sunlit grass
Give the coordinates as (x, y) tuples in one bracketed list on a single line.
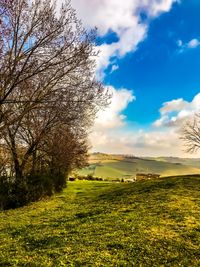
[(151, 223)]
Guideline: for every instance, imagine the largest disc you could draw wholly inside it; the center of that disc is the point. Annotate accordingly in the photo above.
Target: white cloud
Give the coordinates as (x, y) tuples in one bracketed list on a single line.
[(111, 120), (114, 68), (162, 121), (175, 112), (140, 143), (122, 18), (174, 105), (112, 116), (110, 135), (190, 45), (155, 7), (180, 43), (193, 43)]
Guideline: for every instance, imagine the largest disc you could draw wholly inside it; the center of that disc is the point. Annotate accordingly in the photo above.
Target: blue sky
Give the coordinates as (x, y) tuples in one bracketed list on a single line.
[(150, 61), (157, 71)]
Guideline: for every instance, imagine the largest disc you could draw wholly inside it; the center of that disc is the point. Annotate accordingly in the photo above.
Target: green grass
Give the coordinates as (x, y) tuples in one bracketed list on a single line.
[(150, 223)]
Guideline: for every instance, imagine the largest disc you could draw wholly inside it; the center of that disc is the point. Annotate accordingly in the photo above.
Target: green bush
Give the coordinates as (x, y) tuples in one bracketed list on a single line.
[(90, 177), (11, 195), (32, 188)]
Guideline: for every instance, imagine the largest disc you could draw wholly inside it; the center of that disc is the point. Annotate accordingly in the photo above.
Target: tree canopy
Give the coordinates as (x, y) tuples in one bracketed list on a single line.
[(49, 96)]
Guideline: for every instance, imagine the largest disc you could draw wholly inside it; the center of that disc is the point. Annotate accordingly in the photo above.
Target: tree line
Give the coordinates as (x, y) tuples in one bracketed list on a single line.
[(49, 97)]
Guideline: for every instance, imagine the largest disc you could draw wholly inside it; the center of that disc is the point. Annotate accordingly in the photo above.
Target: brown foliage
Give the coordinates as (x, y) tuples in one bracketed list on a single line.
[(48, 94)]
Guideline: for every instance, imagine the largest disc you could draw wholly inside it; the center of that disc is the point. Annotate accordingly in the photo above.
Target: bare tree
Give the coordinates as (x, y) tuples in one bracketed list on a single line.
[(191, 134), (65, 149), (47, 83), (42, 48)]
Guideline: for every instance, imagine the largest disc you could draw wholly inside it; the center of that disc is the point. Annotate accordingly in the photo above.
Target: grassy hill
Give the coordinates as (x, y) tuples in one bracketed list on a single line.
[(149, 223), (117, 166), (195, 162)]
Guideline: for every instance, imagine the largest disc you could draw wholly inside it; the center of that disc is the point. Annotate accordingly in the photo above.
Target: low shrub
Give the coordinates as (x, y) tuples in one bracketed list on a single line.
[(90, 178), (31, 188)]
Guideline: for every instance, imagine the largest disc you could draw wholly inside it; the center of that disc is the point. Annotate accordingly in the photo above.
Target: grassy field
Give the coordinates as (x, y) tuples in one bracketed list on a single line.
[(149, 223), (115, 166)]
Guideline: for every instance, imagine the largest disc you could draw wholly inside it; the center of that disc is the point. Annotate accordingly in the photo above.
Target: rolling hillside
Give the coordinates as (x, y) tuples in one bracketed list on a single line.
[(117, 166), (195, 162)]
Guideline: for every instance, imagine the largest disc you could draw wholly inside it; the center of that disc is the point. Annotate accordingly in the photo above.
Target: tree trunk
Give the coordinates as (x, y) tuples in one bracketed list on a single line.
[(18, 171), (17, 167)]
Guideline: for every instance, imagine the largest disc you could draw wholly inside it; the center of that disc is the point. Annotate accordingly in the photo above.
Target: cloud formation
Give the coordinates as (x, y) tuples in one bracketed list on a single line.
[(112, 117), (162, 139), (175, 112), (194, 43), (111, 120), (122, 18), (139, 143)]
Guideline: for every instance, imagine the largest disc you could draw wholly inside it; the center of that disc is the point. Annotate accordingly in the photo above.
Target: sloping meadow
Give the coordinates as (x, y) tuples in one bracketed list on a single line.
[(148, 223)]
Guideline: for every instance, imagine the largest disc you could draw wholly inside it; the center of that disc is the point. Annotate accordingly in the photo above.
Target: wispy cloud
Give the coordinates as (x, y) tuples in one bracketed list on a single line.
[(122, 18), (114, 68), (194, 43)]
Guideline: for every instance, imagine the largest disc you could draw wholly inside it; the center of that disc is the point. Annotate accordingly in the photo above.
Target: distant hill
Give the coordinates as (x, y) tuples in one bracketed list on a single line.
[(122, 166), (195, 162)]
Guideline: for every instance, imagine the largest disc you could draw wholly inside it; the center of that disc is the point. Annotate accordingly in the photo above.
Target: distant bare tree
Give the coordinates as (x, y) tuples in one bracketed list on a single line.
[(191, 134)]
